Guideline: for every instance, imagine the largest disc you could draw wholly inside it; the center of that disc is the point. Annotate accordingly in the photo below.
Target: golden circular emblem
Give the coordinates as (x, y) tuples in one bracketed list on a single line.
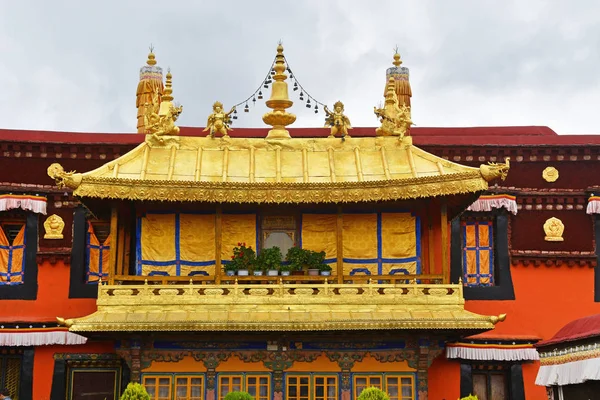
[(550, 174)]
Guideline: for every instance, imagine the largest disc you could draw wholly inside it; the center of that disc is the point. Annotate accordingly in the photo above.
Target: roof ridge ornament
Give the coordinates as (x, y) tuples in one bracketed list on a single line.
[(493, 171), (395, 120), (337, 120), (279, 118), (159, 121)]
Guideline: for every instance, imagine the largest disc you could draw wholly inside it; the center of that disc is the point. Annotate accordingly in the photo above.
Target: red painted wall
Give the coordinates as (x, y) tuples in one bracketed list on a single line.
[(444, 379), (43, 364), (547, 298), (52, 299)]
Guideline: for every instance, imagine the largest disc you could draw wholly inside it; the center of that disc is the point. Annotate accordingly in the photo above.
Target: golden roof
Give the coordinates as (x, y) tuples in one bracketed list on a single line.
[(297, 170), (280, 307)]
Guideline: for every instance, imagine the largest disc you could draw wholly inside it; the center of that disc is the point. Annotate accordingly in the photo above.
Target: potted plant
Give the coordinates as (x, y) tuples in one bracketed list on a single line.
[(270, 260), (242, 260), (314, 261), (230, 268), (296, 258), (135, 391), (325, 269), (285, 269)]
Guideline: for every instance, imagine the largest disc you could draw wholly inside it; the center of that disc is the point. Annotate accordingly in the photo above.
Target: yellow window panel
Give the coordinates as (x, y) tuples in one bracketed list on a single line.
[(158, 237), (197, 237), (359, 236)]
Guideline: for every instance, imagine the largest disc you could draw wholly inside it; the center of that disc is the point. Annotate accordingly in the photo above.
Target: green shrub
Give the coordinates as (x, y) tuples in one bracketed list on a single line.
[(238, 396), (269, 259), (135, 391), (470, 397), (373, 393)]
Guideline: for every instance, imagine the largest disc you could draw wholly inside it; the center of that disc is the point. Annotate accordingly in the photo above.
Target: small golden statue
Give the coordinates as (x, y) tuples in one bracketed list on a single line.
[(219, 121), (554, 228), (54, 226), (395, 120), (337, 120)]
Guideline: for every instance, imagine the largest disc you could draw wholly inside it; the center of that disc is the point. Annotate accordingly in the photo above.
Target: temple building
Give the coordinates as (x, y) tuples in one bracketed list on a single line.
[(293, 263)]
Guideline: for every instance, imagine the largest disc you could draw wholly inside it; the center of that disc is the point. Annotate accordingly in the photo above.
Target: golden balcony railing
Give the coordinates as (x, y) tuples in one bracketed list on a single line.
[(264, 279), (279, 306)]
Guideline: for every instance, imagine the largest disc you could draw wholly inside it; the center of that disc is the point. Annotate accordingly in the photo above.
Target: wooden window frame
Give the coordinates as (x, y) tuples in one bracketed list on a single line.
[(384, 381), (297, 376), (313, 386), (28, 289), (230, 376), (263, 231), (189, 386), (157, 377), (368, 377), (115, 370), (399, 377), (514, 371), (503, 288), (476, 222), (258, 385)]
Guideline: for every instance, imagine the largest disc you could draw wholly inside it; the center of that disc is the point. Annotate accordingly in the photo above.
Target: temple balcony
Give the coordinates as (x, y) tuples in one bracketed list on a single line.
[(280, 307)]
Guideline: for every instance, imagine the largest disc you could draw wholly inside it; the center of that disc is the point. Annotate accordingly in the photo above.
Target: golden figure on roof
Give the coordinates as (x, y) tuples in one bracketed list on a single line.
[(395, 120), (160, 120), (338, 122), (219, 121)]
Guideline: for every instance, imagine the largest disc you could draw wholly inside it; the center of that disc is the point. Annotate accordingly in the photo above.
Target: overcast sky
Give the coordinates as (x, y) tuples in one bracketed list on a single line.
[(74, 65)]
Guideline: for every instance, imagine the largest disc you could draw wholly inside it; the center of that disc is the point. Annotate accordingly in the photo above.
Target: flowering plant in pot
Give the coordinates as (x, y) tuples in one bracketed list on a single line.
[(242, 260), (269, 260)]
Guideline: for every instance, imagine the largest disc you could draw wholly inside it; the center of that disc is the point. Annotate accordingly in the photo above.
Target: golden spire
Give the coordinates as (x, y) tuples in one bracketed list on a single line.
[(279, 101), (168, 93), (401, 81), (149, 90)]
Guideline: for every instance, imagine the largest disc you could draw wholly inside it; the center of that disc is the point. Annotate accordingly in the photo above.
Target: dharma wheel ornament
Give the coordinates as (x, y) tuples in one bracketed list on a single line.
[(550, 174)]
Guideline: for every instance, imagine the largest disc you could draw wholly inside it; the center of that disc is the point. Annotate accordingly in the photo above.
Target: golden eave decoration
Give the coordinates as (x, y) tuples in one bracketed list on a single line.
[(298, 170), (280, 307)]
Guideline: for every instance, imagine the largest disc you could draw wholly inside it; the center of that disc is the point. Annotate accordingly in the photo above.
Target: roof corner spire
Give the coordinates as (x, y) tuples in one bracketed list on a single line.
[(168, 92), (150, 89), (279, 118)]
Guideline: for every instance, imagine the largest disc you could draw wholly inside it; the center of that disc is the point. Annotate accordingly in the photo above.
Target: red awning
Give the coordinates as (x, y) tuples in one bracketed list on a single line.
[(581, 328)]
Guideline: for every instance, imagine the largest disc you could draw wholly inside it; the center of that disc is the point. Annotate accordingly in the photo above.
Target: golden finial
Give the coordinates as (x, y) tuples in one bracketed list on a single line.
[(168, 94), (397, 61), (279, 118), (151, 57)]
